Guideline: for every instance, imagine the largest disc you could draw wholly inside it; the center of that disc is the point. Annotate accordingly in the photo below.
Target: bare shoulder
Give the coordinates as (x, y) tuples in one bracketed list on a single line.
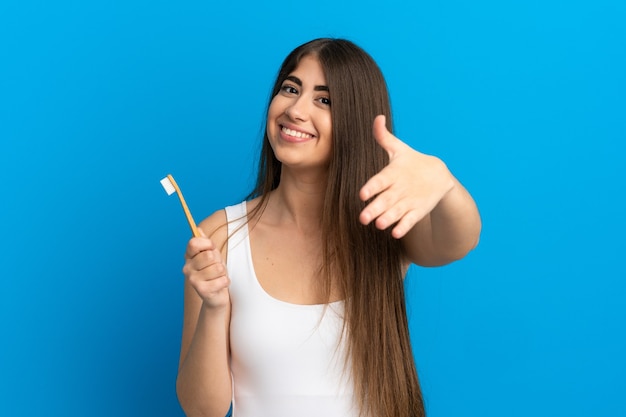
[(215, 227)]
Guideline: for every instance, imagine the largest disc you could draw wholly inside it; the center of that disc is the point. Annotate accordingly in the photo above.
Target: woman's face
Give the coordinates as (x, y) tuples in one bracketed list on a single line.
[(299, 125)]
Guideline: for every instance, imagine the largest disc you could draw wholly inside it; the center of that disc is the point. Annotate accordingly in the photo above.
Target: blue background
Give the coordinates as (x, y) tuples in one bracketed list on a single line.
[(99, 100)]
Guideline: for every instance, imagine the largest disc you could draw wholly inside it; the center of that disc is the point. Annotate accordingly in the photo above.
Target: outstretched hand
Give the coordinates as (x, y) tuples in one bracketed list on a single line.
[(407, 189)]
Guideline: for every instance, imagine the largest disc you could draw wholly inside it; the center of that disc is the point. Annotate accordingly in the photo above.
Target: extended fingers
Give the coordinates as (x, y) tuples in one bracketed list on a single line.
[(377, 184), (387, 209), (398, 206), (378, 207), (406, 223), (400, 214)]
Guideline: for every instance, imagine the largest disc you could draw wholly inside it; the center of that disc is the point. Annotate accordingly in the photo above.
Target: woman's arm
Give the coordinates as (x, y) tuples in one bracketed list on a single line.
[(204, 384), (429, 209), (447, 233)]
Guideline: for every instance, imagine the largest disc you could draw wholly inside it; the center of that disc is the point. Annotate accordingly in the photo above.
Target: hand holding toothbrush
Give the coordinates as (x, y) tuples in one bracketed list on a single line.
[(206, 272), (204, 268)]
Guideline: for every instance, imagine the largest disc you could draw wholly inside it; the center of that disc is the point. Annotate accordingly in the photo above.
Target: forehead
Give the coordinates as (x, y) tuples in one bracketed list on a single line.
[(309, 71)]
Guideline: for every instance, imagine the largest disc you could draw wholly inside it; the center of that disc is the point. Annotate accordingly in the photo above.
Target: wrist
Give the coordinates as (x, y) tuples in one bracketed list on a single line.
[(214, 310)]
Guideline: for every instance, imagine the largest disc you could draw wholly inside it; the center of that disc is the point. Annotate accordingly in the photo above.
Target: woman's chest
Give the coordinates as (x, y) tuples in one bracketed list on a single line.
[(288, 266)]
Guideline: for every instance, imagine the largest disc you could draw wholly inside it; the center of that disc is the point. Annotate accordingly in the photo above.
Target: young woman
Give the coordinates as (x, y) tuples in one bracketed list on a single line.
[(294, 302)]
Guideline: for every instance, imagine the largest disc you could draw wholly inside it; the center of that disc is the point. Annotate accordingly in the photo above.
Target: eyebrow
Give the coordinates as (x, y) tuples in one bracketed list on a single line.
[(297, 80)]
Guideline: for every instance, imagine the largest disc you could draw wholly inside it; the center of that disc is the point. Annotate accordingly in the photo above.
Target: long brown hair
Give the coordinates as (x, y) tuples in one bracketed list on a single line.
[(366, 263)]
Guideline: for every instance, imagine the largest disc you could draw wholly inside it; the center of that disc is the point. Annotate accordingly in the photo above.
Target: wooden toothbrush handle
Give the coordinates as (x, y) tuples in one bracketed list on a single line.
[(192, 223)]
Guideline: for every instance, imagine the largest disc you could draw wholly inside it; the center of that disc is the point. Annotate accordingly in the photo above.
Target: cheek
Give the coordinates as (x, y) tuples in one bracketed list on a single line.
[(328, 126), (272, 113), (274, 110), (276, 105)]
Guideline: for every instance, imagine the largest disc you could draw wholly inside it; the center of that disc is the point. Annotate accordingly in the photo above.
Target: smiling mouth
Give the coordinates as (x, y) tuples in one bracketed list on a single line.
[(295, 133)]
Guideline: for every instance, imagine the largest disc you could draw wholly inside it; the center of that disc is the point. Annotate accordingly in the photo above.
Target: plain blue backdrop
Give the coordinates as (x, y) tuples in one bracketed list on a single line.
[(99, 100)]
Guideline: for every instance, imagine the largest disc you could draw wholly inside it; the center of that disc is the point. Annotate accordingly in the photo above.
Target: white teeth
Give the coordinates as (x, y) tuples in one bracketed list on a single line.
[(296, 133)]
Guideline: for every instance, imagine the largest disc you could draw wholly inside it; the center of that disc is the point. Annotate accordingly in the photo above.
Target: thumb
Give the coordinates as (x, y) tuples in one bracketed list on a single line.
[(383, 136)]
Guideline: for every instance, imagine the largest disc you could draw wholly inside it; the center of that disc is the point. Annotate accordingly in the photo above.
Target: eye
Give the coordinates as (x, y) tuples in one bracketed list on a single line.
[(324, 100), (288, 89)]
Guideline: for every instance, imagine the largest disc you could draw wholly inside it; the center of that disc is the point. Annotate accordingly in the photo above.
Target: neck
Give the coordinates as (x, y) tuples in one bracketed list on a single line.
[(299, 200)]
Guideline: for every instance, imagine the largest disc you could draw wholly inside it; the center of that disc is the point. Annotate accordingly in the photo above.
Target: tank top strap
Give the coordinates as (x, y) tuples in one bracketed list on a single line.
[(236, 216)]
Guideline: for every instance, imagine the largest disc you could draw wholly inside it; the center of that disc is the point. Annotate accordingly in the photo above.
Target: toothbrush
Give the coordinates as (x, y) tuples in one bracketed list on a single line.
[(171, 187)]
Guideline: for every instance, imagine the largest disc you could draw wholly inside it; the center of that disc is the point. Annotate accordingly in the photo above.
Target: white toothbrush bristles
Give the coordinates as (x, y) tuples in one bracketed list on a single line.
[(168, 186)]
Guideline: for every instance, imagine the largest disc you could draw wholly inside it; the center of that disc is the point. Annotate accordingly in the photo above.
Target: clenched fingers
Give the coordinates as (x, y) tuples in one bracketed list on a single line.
[(205, 270)]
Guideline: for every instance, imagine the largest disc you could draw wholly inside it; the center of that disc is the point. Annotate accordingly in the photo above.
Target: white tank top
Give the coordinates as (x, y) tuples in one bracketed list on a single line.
[(285, 361)]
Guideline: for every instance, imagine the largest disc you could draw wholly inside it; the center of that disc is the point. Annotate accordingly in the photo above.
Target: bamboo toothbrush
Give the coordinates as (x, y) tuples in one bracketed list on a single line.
[(171, 187)]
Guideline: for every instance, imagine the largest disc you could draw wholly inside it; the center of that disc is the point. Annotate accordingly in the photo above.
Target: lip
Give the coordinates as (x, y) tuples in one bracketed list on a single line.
[(293, 139)]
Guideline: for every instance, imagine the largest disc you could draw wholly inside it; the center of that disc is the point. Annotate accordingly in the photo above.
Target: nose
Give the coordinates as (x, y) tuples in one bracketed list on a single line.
[(297, 110)]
